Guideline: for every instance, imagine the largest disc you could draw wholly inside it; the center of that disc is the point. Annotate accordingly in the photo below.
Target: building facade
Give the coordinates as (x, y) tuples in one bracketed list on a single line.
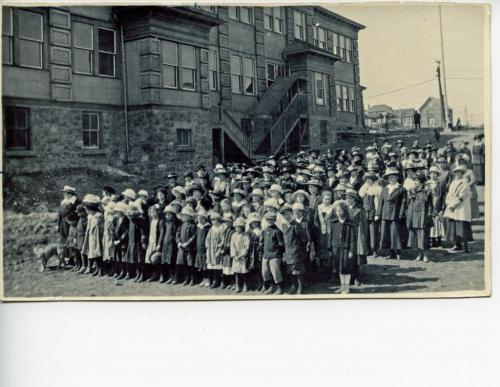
[(152, 89), (431, 115)]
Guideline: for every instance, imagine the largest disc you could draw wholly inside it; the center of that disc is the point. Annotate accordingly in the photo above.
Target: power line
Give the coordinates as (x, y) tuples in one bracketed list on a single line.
[(401, 88)]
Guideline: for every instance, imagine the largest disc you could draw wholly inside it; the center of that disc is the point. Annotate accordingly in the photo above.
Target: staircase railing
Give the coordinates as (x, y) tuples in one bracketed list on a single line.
[(288, 119), (240, 136)]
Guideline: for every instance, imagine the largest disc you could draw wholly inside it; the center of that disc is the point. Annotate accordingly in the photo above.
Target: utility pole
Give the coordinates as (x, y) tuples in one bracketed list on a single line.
[(444, 73), (443, 108)]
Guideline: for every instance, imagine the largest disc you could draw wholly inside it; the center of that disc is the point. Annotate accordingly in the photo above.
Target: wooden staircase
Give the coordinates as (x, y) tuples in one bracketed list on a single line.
[(234, 130)]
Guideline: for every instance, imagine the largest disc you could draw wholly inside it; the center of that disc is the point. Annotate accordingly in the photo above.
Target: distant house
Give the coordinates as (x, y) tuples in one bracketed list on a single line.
[(431, 113), (404, 117), (380, 117)]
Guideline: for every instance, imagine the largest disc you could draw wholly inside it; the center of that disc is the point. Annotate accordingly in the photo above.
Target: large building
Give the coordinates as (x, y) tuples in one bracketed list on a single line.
[(163, 88)]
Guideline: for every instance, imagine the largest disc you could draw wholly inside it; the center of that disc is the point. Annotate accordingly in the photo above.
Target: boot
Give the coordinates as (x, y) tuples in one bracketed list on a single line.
[(236, 284), (245, 287), (269, 290), (279, 290), (300, 286), (123, 272), (162, 278), (466, 247)]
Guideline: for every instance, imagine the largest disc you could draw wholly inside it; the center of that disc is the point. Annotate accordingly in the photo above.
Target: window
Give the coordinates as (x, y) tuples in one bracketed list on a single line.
[(212, 70), (273, 19), (351, 99), (179, 66), (17, 128), (338, 94), (336, 50), (248, 76), (30, 39), (319, 39), (242, 14), (83, 47), (348, 44), (90, 130), (345, 99), (170, 64), (275, 71), (7, 35), (323, 131), (236, 75), (107, 51), (342, 46), (320, 88), (300, 25), (188, 67), (184, 137)]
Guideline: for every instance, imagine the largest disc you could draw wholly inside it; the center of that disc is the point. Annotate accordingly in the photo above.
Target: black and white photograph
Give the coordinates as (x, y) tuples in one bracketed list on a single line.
[(220, 152)]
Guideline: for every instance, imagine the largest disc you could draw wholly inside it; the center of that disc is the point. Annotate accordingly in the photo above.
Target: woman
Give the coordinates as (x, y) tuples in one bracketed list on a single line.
[(321, 232), (370, 195), (458, 211), (67, 218), (478, 159), (437, 190)]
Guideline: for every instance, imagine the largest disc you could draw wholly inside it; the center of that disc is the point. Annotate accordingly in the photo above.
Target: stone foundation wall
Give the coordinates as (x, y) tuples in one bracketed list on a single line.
[(56, 140)]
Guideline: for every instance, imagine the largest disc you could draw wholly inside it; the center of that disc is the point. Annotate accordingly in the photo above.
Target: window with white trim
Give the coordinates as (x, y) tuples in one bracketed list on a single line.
[(319, 38), (338, 95), (7, 35), (170, 66), (249, 76), (275, 71), (273, 19), (342, 46), (336, 49), (187, 56), (242, 14), (320, 86), (345, 99), (90, 130), (83, 48), (106, 45), (351, 98), (236, 75), (17, 128), (184, 137), (30, 39), (212, 70), (299, 20), (348, 46)]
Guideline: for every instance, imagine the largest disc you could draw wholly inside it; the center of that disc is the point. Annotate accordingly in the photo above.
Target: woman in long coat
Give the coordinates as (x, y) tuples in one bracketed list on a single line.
[(370, 195), (321, 231), (168, 244), (391, 212), (419, 217), (214, 261), (438, 192), (458, 211), (92, 244), (357, 215)]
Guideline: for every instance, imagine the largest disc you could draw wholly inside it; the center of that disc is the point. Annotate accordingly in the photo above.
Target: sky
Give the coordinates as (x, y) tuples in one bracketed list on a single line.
[(401, 43)]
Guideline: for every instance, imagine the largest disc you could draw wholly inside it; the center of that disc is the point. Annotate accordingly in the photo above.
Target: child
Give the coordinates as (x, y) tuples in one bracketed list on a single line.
[(168, 245), (202, 229), (154, 242), (214, 262), (357, 215), (92, 244), (134, 257), (321, 233), (81, 226), (273, 248), (239, 248), (391, 211), (343, 243), (297, 240), (186, 245), (370, 194), (107, 239), (254, 261), (419, 218), (438, 192), (223, 250), (120, 239)]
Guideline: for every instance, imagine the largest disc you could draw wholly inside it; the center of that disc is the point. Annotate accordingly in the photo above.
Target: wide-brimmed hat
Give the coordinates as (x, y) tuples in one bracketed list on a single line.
[(257, 192), (179, 189), (285, 207), (193, 187), (272, 202), (202, 212), (69, 189), (298, 207), (340, 187), (238, 191), (314, 182), (370, 175), (435, 169), (391, 171), (300, 192), (155, 258), (240, 222), (171, 208), (91, 199), (228, 217), (120, 207), (275, 188), (270, 216), (220, 170), (129, 194), (253, 217), (188, 211), (352, 193)]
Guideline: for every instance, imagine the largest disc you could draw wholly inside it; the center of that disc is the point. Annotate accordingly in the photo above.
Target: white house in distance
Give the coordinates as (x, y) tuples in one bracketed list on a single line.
[(431, 115)]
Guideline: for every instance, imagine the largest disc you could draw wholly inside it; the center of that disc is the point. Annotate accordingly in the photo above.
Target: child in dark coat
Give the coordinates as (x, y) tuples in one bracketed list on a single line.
[(120, 239), (186, 245), (80, 260), (168, 245), (202, 229)]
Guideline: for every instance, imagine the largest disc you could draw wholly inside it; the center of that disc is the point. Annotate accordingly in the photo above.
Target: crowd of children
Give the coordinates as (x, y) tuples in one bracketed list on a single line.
[(281, 224)]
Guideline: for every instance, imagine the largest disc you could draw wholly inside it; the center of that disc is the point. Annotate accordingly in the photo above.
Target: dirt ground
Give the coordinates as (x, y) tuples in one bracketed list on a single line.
[(446, 272)]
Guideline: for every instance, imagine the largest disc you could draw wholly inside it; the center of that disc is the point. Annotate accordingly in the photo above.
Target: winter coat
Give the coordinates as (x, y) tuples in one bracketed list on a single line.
[(167, 241), (392, 205), (92, 244), (357, 215), (297, 239), (420, 210), (458, 196)]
